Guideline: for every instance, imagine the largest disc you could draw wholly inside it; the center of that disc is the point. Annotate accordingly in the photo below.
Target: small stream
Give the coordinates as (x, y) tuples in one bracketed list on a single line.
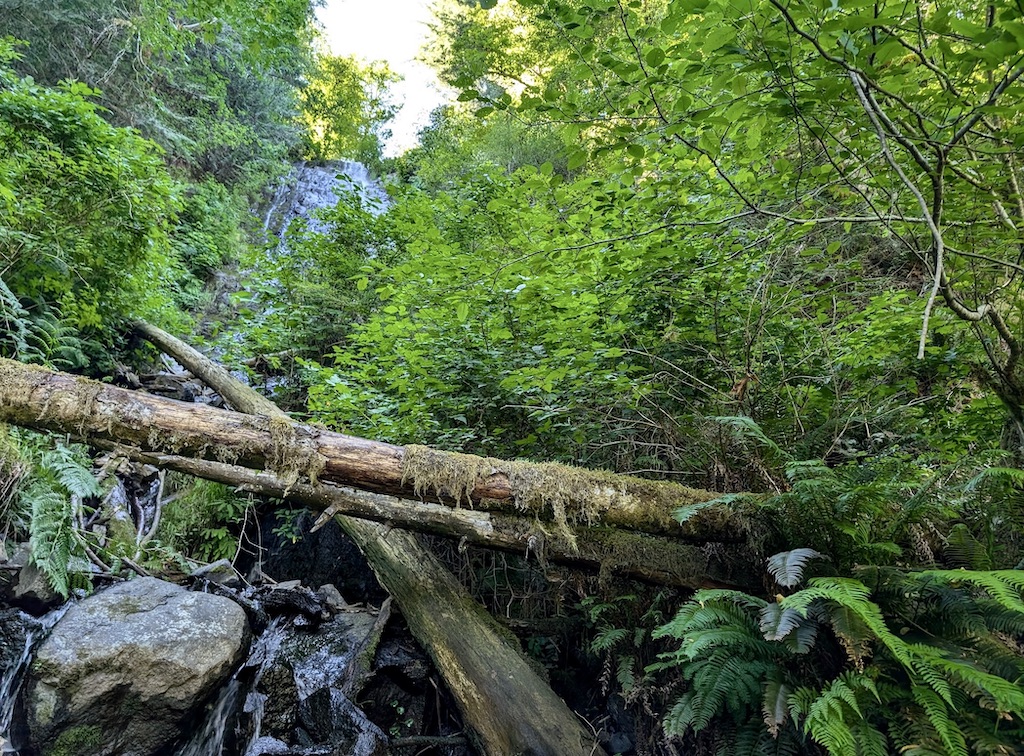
[(14, 672)]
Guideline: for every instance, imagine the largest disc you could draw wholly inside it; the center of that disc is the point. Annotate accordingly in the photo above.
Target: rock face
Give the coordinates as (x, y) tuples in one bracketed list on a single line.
[(124, 670)]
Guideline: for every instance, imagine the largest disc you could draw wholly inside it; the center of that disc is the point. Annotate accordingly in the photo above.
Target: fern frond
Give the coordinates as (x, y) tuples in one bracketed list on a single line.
[(775, 705), (745, 429), (939, 717), (777, 622), (962, 549), (1005, 586), (52, 534), (787, 567), (71, 472), (809, 469), (724, 681), (852, 633), (870, 742), (607, 638), (827, 719), (679, 717), (1004, 475), (625, 674)]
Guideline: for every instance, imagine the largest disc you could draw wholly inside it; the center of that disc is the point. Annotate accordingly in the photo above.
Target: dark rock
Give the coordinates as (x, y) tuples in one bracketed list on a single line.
[(124, 669), (278, 600), (326, 556), (332, 718), (403, 658), (332, 598), (280, 713), (29, 589)]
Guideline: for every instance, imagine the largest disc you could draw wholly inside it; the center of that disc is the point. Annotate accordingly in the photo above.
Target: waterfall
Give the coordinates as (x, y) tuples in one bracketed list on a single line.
[(308, 188)]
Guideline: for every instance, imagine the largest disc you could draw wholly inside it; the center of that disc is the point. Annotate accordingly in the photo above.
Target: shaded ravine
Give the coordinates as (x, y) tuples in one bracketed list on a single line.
[(314, 666)]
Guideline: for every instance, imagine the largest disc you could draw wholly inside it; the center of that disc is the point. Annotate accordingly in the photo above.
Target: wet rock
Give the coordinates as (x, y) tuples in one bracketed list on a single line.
[(305, 694), (16, 633), (124, 669), (220, 572), (27, 587), (331, 717), (280, 710)]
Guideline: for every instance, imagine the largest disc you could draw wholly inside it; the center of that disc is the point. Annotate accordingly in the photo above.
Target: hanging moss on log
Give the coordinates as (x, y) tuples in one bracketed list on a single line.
[(563, 494), (38, 398)]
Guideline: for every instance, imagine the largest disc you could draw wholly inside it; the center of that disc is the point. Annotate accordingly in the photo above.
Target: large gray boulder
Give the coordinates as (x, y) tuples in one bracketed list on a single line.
[(125, 669)]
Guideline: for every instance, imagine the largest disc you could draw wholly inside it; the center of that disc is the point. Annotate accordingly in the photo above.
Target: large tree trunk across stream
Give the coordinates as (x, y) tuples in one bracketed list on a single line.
[(35, 397), (509, 708), (655, 559)]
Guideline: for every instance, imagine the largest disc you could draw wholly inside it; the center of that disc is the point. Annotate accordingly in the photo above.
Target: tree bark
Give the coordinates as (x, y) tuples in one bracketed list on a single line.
[(654, 559), (35, 397), (508, 707)]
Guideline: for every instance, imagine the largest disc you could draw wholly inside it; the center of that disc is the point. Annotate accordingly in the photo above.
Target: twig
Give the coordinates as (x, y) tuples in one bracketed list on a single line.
[(937, 240)]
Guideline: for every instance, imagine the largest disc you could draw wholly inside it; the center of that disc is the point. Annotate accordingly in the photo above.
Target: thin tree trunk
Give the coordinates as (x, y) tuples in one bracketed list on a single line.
[(655, 559), (507, 706)]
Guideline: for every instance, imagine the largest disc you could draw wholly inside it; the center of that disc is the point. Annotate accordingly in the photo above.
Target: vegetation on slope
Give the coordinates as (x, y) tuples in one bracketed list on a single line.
[(763, 247)]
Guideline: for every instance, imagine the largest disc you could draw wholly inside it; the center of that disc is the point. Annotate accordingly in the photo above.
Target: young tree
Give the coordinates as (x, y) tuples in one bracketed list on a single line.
[(345, 107)]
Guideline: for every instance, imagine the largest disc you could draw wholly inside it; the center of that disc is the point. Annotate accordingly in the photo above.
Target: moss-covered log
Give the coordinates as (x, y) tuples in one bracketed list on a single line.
[(38, 398), (495, 687), (507, 706), (654, 559)]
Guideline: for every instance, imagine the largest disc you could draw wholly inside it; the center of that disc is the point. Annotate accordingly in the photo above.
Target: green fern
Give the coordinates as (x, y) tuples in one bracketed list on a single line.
[(61, 480), (52, 541), (950, 685), (787, 567), (745, 429), (66, 465), (18, 339)]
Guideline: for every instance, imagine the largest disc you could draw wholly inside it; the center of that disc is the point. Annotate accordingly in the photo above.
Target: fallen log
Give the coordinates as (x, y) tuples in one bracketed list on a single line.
[(35, 397), (655, 559), (508, 707)]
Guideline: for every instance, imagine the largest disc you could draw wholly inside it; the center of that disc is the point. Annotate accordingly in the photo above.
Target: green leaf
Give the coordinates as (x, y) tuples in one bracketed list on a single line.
[(655, 57)]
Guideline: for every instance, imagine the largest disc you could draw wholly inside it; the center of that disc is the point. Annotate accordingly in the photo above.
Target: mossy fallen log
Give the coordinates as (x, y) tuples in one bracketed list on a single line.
[(654, 559), (35, 397), (507, 706)]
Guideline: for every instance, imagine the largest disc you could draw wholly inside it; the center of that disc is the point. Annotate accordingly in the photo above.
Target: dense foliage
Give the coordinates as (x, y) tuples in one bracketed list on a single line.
[(769, 248), (755, 247)]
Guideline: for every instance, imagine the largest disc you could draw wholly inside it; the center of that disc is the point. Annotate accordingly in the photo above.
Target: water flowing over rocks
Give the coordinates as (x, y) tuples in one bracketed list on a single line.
[(18, 635), (126, 668), (310, 187)]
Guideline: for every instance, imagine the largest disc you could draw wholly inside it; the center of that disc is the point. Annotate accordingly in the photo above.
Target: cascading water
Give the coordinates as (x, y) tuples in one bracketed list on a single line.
[(309, 188), (36, 631), (235, 718), (213, 736)]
